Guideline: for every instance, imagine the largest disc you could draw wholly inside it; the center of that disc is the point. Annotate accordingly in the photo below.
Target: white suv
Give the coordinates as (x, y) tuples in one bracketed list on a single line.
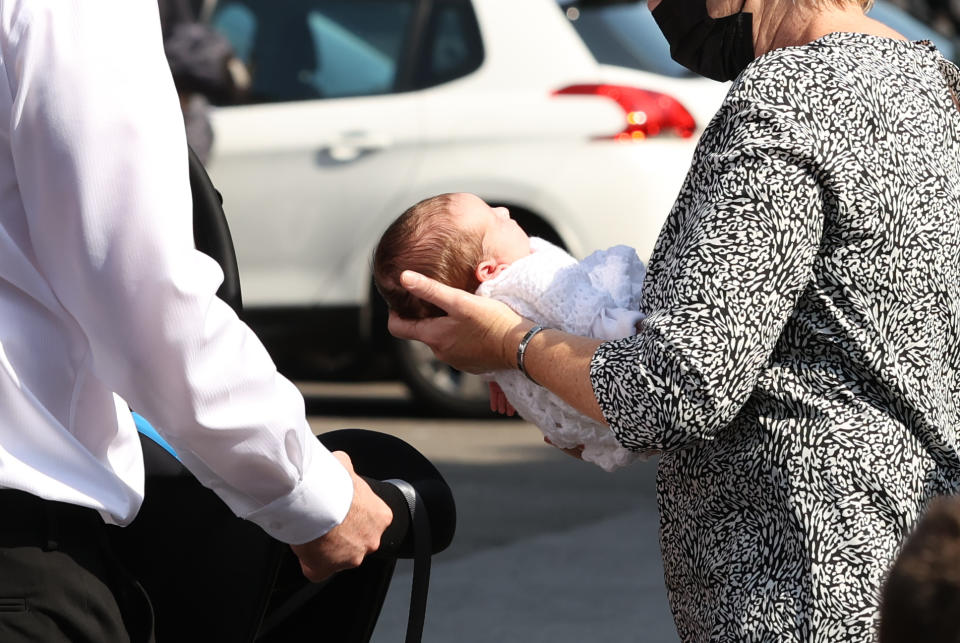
[(359, 108)]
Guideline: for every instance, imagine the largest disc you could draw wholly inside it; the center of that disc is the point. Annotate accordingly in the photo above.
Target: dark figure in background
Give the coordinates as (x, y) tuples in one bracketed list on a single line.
[(921, 598), (204, 67)]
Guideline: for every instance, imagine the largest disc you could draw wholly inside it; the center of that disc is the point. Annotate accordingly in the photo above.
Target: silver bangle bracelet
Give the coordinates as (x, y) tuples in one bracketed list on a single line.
[(522, 349)]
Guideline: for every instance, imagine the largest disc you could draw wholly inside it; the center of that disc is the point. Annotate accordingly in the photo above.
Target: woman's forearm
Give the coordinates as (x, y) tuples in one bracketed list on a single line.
[(561, 363)]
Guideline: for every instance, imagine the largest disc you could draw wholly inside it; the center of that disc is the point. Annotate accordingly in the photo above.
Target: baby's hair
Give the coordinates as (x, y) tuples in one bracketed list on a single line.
[(426, 239), (921, 596)]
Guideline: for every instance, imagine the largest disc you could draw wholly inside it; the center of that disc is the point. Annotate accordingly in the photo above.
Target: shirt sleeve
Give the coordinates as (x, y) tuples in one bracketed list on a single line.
[(730, 264), (99, 149)]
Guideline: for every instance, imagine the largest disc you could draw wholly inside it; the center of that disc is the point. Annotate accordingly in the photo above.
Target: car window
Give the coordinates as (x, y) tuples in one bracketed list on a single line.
[(310, 49), (452, 46), (625, 35)]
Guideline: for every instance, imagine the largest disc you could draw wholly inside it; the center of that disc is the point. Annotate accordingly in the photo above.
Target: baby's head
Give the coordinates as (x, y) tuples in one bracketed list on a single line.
[(456, 239)]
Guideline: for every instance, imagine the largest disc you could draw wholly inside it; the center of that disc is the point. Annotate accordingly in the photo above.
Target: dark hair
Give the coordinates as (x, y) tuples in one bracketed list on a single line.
[(427, 240), (921, 597)]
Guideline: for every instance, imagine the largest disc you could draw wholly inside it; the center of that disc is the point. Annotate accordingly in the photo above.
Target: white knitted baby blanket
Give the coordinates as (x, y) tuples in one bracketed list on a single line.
[(597, 297)]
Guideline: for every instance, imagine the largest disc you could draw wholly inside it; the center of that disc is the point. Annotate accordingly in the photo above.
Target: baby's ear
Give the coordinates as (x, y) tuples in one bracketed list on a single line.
[(488, 269)]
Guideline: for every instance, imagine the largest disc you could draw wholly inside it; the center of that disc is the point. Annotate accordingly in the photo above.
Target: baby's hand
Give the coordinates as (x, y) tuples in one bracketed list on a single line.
[(498, 401), (576, 452)]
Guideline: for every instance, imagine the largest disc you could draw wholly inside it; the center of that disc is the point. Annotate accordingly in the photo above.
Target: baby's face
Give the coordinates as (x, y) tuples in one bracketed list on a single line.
[(503, 239)]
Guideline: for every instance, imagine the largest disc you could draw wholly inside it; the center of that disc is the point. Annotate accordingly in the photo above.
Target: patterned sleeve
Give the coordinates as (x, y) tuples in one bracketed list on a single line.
[(733, 258)]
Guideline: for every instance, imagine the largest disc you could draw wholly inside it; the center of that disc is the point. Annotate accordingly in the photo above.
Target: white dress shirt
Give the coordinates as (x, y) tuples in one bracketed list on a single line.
[(104, 301)]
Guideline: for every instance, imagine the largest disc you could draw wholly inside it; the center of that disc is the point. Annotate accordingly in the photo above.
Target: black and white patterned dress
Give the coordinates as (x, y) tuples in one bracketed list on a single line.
[(800, 359)]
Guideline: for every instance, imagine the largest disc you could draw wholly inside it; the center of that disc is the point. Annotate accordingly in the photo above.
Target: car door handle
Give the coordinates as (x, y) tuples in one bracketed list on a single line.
[(351, 146)]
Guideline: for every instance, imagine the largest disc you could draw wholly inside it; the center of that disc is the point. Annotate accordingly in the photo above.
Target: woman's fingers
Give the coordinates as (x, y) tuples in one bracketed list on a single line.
[(403, 328), (478, 333), (430, 290), (399, 327), (430, 329)]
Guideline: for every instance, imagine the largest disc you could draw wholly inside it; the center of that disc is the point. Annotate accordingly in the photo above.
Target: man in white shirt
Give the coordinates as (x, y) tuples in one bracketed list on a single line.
[(105, 304)]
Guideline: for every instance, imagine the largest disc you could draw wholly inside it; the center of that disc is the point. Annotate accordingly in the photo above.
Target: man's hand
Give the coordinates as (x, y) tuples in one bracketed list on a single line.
[(478, 334), (347, 544)]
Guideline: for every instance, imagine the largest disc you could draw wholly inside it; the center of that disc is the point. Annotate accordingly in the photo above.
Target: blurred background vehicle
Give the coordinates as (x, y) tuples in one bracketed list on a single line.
[(626, 34), (572, 115), (356, 109), (943, 16), (912, 27)]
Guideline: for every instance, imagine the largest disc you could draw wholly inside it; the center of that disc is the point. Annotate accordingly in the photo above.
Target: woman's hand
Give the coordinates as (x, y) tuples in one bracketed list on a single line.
[(477, 335), (480, 334)]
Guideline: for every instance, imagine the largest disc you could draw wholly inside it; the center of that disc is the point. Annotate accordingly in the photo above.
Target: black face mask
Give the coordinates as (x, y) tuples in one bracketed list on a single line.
[(718, 48)]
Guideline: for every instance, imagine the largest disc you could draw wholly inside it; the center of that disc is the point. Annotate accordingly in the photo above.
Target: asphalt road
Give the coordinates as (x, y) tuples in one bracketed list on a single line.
[(547, 548)]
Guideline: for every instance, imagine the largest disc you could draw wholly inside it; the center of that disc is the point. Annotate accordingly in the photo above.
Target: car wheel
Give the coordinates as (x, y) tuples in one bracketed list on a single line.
[(439, 388)]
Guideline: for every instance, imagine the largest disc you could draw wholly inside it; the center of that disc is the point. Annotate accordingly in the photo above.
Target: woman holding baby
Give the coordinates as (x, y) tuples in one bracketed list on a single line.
[(799, 362)]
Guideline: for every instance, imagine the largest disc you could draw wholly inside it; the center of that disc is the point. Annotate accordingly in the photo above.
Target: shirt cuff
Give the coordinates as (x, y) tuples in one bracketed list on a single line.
[(319, 502), (652, 397)]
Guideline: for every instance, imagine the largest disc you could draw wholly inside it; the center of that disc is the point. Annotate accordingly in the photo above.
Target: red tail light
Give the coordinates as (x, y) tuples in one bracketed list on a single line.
[(648, 113)]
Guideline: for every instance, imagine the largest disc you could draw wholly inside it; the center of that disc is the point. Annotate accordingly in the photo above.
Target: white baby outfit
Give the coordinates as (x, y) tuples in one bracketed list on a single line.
[(598, 297)]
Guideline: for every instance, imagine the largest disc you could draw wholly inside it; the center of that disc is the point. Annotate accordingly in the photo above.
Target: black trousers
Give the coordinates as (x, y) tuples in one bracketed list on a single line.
[(59, 579)]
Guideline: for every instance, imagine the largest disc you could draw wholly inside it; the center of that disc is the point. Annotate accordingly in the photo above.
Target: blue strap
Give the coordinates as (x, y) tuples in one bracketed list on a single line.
[(147, 429)]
